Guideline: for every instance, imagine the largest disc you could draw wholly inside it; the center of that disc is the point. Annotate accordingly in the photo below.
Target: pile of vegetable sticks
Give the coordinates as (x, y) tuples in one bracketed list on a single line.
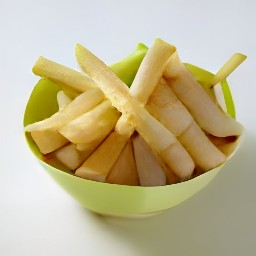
[(162, 130)]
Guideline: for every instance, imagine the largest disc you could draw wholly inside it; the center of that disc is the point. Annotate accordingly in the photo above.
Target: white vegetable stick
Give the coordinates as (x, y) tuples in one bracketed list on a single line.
[(98, 165), (204, 153), (62, 75), (151, 70), (81, 104), (149, 171), (124, 171), (147, 77), (208, 115), (235, 60), (71, 157), (48, 141), (91, 125), (168, 109)]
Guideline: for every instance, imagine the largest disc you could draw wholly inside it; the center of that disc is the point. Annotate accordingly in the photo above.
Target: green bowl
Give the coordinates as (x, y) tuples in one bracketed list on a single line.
[(112, 199)]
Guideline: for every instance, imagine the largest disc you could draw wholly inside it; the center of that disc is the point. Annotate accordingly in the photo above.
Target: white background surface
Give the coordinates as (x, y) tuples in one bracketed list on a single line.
[(36, 216)]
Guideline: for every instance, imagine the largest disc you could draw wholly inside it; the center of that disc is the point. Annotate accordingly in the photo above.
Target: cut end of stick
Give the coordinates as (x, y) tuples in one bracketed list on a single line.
[(90, 174)]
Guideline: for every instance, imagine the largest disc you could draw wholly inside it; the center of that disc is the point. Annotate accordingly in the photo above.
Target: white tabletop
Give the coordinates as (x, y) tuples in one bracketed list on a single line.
[(37, 217)]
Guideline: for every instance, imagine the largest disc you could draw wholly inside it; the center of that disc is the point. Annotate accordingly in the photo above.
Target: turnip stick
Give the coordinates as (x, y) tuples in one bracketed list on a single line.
[(167, 108), (124, 170), (207, 114), (149, 171), (98, 165), (91, 125), (235, 60), (62, 75), (151, 70), (81, 104), (71, 157), (48, 141)]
